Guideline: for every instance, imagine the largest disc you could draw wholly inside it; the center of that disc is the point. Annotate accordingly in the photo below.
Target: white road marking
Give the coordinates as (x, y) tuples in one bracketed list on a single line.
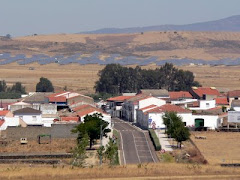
[(124, 160), (149, 148), (136, 148)]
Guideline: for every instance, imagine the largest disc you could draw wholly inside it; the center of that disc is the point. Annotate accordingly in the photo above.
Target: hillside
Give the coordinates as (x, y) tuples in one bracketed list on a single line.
[(164, 45), (227, 24)]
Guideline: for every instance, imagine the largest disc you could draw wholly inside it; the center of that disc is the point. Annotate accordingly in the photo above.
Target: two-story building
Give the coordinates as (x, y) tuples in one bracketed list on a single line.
[(130, 106)]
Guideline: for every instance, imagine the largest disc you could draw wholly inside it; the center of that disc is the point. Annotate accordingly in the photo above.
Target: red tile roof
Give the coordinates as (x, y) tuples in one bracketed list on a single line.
[(200, 91), (78, 108), (57, 99), (168, 108), (70, 119), (85, 112), (148, 107), (235, 93), (180, 94), (119, 98), (3, 113), (86, 109), (1, 122), (221, 101)]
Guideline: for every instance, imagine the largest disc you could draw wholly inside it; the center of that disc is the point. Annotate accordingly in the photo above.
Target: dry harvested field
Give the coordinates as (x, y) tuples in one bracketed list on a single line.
[(144, 171), (82, 78), (219, 147), (165, 45), (56, 146)]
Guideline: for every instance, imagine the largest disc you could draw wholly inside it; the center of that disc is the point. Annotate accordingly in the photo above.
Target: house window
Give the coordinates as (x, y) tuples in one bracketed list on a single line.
[(34, 118)]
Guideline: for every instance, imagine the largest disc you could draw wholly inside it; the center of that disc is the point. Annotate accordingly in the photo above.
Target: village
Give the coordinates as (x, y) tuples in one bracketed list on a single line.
[(43, 114)]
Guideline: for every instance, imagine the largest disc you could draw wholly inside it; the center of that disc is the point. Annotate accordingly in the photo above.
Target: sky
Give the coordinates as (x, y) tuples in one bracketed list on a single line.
[(27, 17)]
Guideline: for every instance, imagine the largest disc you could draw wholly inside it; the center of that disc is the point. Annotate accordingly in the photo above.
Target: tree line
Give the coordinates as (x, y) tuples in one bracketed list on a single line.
[(11, 92), (15, 91), (116, 79)]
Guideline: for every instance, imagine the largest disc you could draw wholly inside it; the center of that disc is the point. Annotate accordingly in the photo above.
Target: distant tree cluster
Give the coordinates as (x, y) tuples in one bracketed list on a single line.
[(11, 92), (44, 85), (116, 79)]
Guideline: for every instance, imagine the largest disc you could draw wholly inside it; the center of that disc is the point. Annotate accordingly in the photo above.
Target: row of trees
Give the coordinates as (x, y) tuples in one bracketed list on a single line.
[(15, 91), (93, 128), (116, 79), (175, 127)]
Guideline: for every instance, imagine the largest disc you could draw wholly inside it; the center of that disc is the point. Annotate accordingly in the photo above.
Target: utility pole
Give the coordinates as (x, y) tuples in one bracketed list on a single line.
[(101, 143)]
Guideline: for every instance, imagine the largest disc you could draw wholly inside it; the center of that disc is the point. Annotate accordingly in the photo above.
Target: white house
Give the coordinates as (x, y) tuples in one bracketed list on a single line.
[(29, 115), (88, 109), (115, 105), (202, 105), (130, 106), (152, 116)]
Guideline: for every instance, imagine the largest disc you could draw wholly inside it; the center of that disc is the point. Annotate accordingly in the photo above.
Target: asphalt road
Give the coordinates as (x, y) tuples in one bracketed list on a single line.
[(136, 146)]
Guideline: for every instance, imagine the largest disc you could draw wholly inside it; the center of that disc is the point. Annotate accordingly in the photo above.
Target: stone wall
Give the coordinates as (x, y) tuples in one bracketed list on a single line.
[(32, 132)]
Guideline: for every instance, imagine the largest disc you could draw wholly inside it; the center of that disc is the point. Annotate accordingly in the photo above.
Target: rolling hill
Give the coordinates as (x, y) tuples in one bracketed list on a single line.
[(231, 24)]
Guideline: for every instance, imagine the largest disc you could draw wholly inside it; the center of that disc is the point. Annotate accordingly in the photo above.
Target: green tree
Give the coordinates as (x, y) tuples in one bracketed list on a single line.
[(116, 79), (92, 127), (18, 88), (175, 127), (44, 85), (181, 134), (79, 153), (111, 152), (3, 86)]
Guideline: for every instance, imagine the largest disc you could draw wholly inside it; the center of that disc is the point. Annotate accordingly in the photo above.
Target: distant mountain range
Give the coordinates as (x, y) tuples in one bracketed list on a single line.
[(231, 24)]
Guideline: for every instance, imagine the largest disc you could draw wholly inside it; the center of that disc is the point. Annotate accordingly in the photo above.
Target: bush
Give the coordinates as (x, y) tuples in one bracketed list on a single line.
[(154, 139)]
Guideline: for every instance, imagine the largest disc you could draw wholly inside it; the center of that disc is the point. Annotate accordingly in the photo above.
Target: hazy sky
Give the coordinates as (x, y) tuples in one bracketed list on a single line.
[(26, 17)]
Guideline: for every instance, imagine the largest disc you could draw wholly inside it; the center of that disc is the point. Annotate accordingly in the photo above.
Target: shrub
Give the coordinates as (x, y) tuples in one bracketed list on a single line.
[(154, 139)]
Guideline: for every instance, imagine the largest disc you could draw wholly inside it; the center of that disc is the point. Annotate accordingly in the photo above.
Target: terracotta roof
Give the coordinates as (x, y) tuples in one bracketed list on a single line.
[(85, 112), (27, 110), (148, 107), (86, 109), (57, 99), (1, 122), (168, 108), (235, 93), (70, 119), (3, 113), (221, 101), (137, 97), (180, 94), (200, 91), (84, 106), (119, 98)]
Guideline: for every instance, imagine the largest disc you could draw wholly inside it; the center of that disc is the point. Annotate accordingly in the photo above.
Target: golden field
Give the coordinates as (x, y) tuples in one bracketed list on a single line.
[(165, 45), (82, 78), (219, 147), (144, 171)]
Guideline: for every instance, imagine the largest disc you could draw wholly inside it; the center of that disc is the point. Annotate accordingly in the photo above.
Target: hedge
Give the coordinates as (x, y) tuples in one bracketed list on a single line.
[(154, 139)]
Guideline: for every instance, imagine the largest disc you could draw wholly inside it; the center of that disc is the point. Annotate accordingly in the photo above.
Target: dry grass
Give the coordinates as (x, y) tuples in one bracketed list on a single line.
[(57, 145), (82, 78), (219, 147), (193, 45), (75, 77), (145, 171)]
